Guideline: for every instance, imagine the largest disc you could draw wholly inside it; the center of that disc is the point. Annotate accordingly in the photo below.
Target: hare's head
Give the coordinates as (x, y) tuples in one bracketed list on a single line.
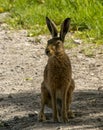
[(55, 45)]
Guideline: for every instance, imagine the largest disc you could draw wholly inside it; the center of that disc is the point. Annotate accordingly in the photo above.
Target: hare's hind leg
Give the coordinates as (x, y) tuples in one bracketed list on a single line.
[(69, 99), (44, 97)]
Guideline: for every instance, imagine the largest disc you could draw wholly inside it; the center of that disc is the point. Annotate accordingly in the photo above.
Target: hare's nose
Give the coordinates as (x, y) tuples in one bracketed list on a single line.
[(47, 51)]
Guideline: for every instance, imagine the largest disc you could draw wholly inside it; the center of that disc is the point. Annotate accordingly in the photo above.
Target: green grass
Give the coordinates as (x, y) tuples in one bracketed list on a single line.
[(86, 15)]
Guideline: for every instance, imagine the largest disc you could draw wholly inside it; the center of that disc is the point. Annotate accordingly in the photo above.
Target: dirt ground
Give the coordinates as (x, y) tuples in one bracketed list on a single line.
[(22, 61)]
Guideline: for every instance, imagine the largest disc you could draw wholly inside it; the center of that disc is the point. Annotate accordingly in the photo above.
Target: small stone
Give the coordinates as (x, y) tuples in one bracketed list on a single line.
[(36, 113), (1, 99), (78, 41), (31, 114), (12, 70), (59, 128), (99, 119), (36, 73), (100, 88), (98, 65), (16, 118), (6, 124), (10, 96)]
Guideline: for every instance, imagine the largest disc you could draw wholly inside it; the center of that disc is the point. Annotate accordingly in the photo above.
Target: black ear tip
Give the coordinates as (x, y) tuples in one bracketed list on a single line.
[(47, 18), (68, 19)]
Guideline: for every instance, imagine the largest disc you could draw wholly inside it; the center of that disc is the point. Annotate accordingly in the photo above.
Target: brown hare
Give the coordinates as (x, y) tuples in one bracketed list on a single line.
[(58, 85)]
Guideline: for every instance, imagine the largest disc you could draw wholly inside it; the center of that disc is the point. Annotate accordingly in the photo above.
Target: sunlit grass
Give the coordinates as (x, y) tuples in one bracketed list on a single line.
[(86, 15)]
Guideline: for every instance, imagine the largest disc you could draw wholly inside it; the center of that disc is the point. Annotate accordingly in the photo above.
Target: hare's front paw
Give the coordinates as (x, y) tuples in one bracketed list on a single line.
[(71, 114), (42, 117), (64, 118), (56, 118)]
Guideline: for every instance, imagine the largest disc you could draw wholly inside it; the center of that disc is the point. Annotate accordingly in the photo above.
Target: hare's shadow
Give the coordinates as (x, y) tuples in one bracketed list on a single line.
[(84, 103)]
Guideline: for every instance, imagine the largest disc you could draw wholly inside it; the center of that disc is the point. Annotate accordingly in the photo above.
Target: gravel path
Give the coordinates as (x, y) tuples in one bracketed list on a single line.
[(22, 61)]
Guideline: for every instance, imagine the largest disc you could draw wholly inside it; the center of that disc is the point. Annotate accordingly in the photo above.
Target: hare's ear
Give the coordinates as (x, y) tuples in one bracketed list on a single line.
[(64, 28), (52, 28)]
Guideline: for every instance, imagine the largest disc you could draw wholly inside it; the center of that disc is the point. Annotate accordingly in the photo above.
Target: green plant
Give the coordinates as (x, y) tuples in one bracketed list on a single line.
[(86, 15)]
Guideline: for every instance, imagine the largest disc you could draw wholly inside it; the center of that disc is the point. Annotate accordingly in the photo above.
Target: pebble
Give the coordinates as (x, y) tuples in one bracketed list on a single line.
[(59, 128), (16, 118), (78, 41), (10, 96), (1, 99), (31, 114)]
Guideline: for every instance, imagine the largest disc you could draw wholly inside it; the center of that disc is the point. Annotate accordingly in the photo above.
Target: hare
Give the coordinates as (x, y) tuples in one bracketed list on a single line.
[(58, 85)]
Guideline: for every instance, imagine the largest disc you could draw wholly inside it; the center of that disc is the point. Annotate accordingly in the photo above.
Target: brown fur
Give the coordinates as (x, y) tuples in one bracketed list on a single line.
[(58, 84)]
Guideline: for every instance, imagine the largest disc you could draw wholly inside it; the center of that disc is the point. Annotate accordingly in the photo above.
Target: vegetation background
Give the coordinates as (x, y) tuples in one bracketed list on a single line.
[(22, 61), (86, 16)]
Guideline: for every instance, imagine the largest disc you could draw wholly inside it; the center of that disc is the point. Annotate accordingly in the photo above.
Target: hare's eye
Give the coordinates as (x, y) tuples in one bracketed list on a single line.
[(58, 42)]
